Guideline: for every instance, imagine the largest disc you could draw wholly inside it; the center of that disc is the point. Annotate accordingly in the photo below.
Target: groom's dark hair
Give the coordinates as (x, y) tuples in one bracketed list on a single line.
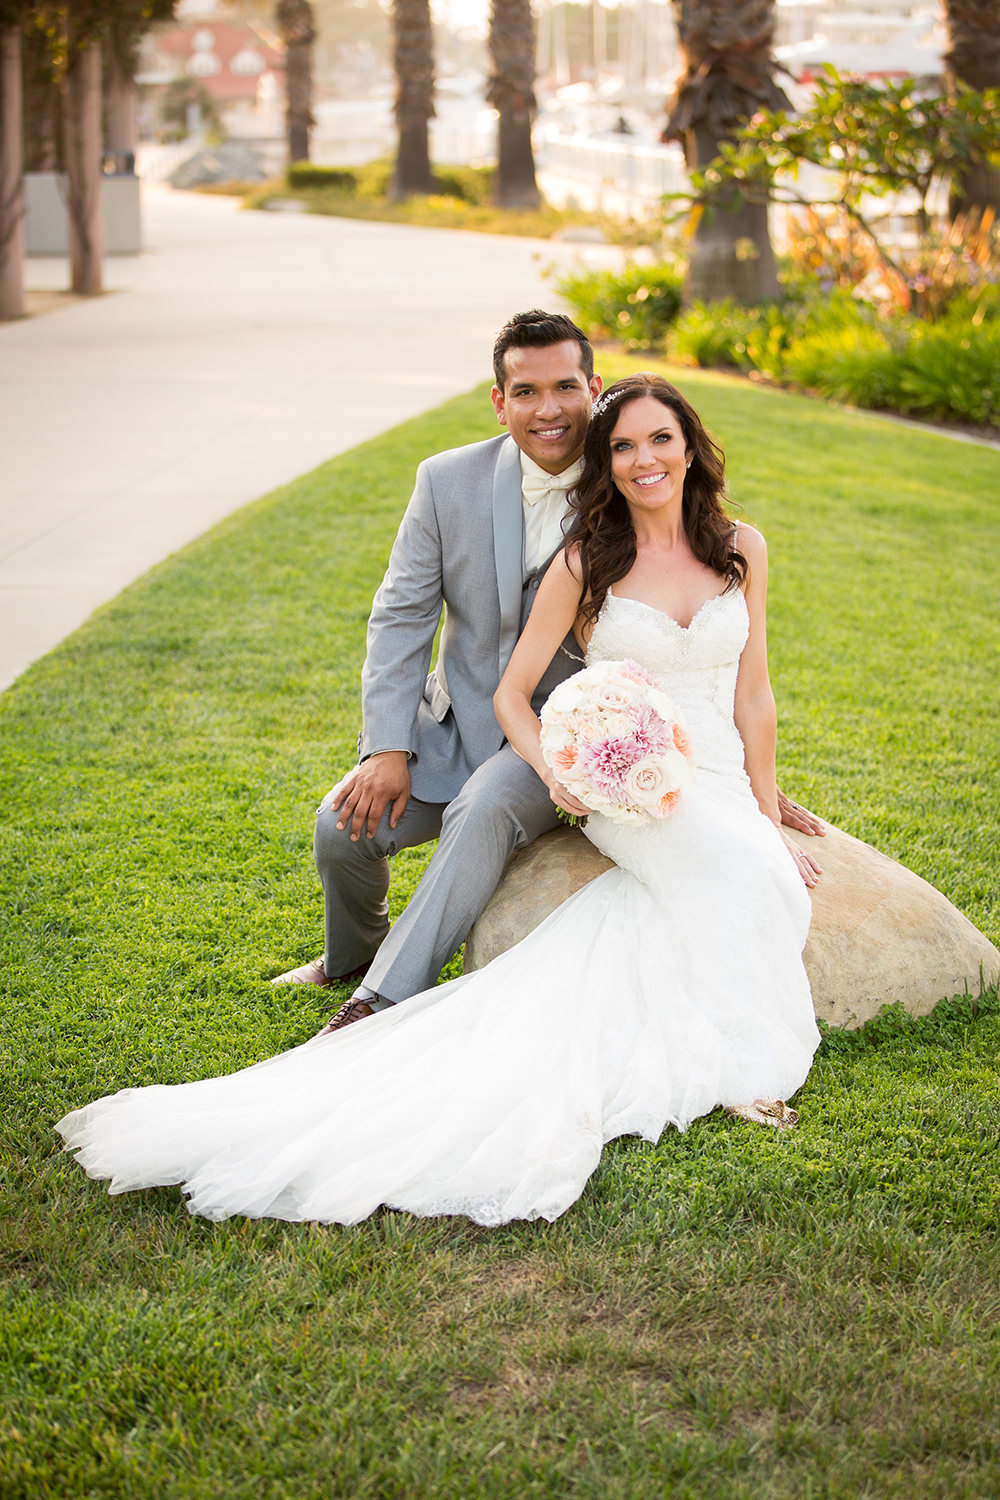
[(537, 330)]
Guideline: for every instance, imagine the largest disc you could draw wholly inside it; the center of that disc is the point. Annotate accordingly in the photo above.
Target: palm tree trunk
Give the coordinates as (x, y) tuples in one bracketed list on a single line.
[(511, 91), (973, 58), (295, 22), (727, 74), (11, 177), (413, 58), (83, 168), (732, 255)]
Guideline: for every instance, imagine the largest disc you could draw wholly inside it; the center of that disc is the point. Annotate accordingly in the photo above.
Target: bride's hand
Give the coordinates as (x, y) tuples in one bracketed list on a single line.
[(564, 799), (794, 816), (809, 868)]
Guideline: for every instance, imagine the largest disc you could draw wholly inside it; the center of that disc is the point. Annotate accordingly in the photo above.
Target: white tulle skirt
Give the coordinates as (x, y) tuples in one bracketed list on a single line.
[(656, 993)]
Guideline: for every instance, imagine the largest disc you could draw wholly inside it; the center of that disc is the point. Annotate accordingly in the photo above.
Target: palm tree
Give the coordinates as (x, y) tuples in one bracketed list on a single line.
[(54, 49), (728, 73), (11, 163), (83, 141), (973, 58), (295, 23), (120, 24), (413, 59), (511, 91)]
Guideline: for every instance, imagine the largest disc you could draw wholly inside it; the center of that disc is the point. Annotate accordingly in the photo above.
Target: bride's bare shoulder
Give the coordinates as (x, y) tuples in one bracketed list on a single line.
[(571, 561), (751, 543)]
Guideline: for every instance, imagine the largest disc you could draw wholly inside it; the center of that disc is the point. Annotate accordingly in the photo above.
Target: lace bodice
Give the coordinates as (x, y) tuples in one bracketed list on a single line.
[(696, 665)]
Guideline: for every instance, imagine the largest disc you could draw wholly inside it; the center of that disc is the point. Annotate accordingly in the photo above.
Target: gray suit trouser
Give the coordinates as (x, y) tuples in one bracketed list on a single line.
[(502, 807)]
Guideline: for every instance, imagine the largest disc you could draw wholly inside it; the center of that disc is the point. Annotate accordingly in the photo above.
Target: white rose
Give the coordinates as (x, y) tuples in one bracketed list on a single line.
[(660, 704), (623, 814), (615, 695), (678, 768), (647, 783), (650, 779), (587, 727), (613, 724), (555, 736), (569, 694)]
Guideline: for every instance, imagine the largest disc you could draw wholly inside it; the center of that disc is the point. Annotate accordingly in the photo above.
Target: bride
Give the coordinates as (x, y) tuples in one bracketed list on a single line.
[(669, 986)]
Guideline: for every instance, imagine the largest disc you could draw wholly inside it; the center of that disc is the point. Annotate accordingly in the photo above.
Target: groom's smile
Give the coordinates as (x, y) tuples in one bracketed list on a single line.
[(545, 403)]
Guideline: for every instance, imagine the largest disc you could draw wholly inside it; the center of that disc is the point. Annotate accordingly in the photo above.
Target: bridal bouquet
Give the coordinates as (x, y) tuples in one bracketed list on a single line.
[(612, 739)]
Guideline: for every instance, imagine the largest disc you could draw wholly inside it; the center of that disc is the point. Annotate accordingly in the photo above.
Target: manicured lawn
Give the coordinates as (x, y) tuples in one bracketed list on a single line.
[(730, 1314)]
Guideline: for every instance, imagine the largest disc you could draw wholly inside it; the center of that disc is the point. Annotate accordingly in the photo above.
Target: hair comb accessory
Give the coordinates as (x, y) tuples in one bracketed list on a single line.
[(603, 402)]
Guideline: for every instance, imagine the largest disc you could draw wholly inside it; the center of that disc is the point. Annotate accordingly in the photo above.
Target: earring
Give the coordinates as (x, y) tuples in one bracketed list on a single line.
[(689, 463)]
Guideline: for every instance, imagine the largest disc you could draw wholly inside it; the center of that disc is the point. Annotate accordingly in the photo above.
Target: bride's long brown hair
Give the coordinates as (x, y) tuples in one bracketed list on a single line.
[(599, 517)]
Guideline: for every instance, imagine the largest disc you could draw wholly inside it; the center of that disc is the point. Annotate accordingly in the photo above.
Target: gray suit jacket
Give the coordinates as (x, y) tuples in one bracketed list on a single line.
[(460, 545)]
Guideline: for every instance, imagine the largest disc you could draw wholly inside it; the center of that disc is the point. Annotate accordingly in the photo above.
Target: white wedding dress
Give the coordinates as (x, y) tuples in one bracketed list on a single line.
[(666, 987)]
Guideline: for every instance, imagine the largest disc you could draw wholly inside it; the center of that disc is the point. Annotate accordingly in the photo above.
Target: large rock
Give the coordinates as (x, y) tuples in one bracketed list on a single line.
[(232, 161), (879, 933)]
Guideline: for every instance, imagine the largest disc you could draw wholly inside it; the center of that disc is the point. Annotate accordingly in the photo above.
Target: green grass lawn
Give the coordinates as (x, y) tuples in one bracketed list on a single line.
[(732, 1313)]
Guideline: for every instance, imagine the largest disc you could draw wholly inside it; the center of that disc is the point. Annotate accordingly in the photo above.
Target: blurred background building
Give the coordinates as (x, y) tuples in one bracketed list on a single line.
[(605, 71)]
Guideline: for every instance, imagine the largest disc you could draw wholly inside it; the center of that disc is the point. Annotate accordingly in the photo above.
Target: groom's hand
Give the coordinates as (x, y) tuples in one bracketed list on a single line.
[(794, 816), (365, 793)]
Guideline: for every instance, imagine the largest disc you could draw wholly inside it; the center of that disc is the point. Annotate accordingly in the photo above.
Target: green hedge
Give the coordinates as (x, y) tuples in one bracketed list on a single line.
[(637, 305), (304, 174), (374, 180), (857, 365), (953, 370)]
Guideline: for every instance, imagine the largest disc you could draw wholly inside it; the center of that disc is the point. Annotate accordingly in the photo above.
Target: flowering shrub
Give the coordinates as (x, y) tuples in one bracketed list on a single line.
[(951, 263)]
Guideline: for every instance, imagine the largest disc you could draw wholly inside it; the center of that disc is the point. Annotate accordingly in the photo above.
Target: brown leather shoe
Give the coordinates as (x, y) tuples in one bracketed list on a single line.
[(349, 1012), (767, 1112), (315, 973)]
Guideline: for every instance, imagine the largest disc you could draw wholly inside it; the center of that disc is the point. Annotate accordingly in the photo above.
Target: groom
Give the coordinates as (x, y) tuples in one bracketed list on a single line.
[(482, 525)]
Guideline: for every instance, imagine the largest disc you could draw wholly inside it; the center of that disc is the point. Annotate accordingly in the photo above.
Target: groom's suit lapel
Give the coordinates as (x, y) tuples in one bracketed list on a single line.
[(508, 545)]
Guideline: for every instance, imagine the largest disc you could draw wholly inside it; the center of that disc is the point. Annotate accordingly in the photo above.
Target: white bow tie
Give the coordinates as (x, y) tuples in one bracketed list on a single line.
[(537, 485)]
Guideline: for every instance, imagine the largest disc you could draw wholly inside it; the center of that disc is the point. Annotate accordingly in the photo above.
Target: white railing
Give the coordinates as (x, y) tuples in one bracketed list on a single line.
[(155, 160), (617, 176)]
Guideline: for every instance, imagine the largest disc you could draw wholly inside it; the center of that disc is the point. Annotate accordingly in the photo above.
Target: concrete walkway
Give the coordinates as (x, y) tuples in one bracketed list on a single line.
[(237, 352)]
